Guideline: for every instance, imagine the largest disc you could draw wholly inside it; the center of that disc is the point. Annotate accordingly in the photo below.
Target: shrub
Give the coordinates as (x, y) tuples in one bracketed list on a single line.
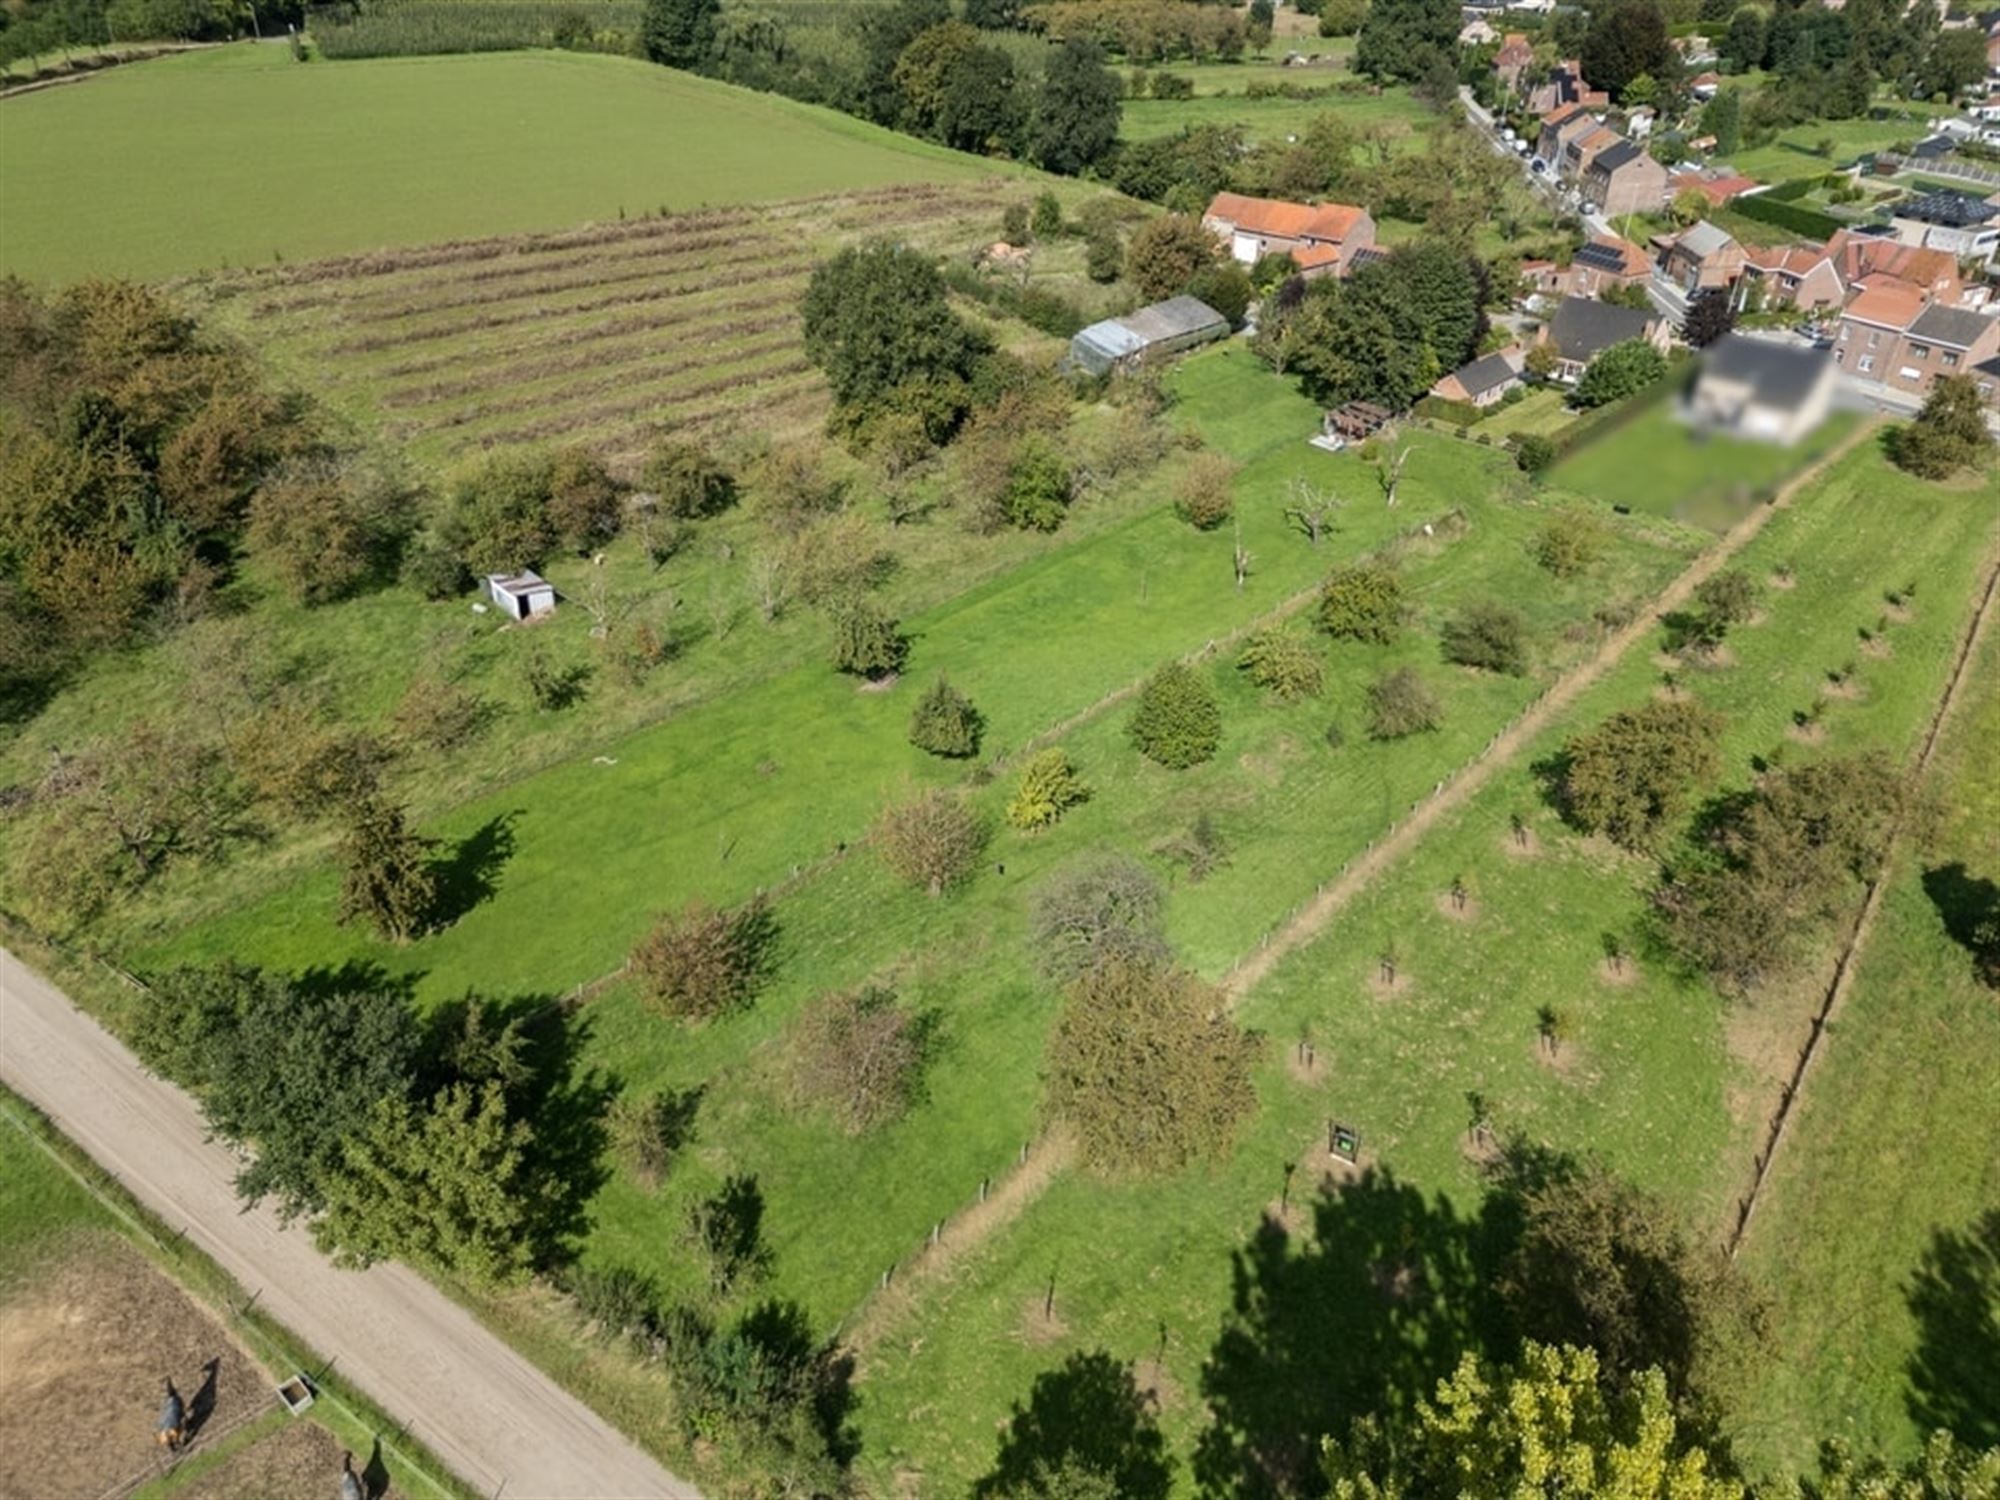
[(1165, 254), (1202, 496), (496, 517), (866, 642), (944, 721), (793, 489), (1109, 907), (311, 530), (1047, 220), (1014, 224), (701, 962), (1226, 288), (583, 500), (620, 1301), (1488, 636), (1399, 703), (1727, 598), (649, 1130), (1049, 787), (1363, 603), (1636, 770), (1201, 851), (1569, 543), (1283, 662), (1178, 722), (931, 840), (1104, 255), (1039, 489), (1949, 434), (1152, 1108), (434, 570), (1619, 372), (860, 1056), (387, 877), (438, 714), (691, 485)]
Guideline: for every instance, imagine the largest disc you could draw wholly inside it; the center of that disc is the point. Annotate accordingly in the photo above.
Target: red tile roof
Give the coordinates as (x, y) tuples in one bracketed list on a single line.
[(1888, 302), (1718, 190), (1286, 220)]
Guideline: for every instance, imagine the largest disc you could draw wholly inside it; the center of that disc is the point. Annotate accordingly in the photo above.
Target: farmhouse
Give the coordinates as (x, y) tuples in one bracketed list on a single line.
[(1482, 382), (1755, 388), (1323, 239), (1624, 179), (1148, 334), (522, 595), (1581, 330)]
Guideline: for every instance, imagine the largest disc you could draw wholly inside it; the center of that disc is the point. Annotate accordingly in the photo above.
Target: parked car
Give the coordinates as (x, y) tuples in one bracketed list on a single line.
[(1538, 165)]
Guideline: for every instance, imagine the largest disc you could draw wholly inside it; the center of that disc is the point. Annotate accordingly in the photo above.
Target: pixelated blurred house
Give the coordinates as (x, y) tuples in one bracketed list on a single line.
[(1763, 390)]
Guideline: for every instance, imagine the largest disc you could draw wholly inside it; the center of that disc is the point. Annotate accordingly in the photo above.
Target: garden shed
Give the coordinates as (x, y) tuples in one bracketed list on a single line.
[(1150, 333), (522, 595)]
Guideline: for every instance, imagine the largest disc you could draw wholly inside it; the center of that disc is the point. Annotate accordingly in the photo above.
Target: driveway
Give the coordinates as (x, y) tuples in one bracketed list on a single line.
[(500, 1423)]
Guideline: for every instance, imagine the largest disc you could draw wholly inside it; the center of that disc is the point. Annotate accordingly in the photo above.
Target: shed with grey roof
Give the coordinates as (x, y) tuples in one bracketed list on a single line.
[(1150, 333)]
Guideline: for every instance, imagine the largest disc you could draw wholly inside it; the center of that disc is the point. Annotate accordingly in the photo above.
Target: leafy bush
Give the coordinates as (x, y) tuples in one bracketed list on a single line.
[(496, 516), (583, 500), (1178, 722), (1203, 495), (1283, 662), (1177, 1099), (702, 962), (1637, 770), (1049, 787), (931, 840), (1489, 636), (1399, 704), (944, 721), (866, 642), (1039, 489), (1363, 603), (1620, 372), (1569, 543), (690, 484)]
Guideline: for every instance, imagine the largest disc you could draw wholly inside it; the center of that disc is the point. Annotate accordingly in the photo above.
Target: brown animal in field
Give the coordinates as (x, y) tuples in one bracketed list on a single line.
[(173, 1420)]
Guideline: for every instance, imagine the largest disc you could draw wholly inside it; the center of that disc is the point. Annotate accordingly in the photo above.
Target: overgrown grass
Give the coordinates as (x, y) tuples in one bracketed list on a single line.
[(1395, 112), (1891, 1157), (297, 161)]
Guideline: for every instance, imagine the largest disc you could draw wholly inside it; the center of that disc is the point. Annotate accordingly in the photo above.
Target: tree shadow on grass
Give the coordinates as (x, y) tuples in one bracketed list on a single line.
[(1363, 1314), (1969, 907), (1086, 1414), (1955, 1297), (356, 976), (469, 874), (819, 1370)]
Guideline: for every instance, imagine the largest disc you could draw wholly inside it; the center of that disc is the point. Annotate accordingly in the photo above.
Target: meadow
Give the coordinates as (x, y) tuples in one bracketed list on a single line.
[(1275, 117), (294, 161), (1231, 1300), (1871, 1235)]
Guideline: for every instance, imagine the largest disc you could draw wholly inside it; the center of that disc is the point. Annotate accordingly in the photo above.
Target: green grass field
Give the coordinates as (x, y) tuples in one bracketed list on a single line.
[(1891, 1160), (1656, 464), (240, 156), (1394, 112), (1662, 1080), (1542, 411)]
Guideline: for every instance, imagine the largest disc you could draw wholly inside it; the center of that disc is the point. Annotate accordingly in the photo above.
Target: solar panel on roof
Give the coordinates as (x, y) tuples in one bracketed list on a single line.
[(1600, 258)]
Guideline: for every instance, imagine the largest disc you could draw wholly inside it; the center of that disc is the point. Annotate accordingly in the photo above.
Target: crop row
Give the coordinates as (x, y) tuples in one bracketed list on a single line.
[(685, 318), (702, 337), (374, 263), (375, 343), (623, 374), (560, 424)]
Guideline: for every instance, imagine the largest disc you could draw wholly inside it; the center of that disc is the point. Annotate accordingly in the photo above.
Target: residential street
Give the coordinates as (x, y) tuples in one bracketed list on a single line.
[(502, 1425)]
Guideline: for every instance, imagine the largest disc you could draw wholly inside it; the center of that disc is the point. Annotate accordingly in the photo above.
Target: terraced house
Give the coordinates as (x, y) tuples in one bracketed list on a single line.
[(1893, 336)]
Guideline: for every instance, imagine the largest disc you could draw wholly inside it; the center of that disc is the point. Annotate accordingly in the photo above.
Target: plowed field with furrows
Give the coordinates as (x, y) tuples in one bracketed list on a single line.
[(611, 334)]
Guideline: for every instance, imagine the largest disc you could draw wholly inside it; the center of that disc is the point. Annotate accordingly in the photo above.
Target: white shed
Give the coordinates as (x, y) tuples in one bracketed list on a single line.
[(522, 595)]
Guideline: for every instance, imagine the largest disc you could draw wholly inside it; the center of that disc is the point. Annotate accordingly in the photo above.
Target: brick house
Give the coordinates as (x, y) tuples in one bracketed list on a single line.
[(1858, 256), (1700, 258), (1801, 276), (1606, 262), (1624, 179), (1512, 60), (1484, 381), (1322, 239), (1583, 148), (1558, 125)]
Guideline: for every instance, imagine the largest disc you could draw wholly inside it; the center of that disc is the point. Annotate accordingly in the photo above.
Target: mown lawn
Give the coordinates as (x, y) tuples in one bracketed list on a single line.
[(1656, 464), (1869, 1231), (1797, 152), (1661, 1078), (241, 156), (1541, 411), (1394, 112)]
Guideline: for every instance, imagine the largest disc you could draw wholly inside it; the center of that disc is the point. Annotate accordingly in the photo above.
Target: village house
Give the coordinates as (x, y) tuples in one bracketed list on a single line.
[(1705, 86), (1604, 263), (1582, 148), (1514, 58), (1557, 126), (1700, 258), (1955, 222), (1760, 389), (1624, 179), (1322, 239), (1582, 329), (1801, 276), (1483, 382), (1872, 326), (1477, 32), (1857, 256), (1935, 341), (1717, 187)]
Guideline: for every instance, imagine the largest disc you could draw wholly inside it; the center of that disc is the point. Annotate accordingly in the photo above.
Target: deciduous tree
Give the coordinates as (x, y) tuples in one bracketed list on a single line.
[(701, 961), (1401, 703), (1178, 722), (1048, 788), (1284, 663), (1637, 770), (944, 721), (1165, 254), (1075, 119), (1489, 636), (860, 1056), (1110, 906), (1362, 603), (931, 840), (387, 877)]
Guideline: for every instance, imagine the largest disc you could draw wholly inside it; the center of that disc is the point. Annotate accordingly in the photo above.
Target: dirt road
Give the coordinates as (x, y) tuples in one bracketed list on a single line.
[(500, 1423)]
